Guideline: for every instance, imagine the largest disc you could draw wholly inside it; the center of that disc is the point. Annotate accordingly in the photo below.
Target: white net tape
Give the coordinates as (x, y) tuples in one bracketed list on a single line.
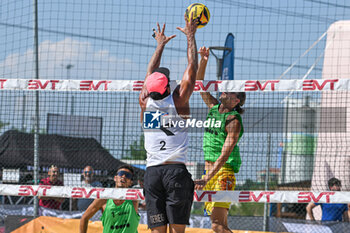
[(205, 86), (199, 196)]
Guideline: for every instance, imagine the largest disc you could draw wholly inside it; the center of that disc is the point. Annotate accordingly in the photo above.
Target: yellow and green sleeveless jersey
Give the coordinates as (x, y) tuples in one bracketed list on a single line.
[(214, 139), (120, 219)]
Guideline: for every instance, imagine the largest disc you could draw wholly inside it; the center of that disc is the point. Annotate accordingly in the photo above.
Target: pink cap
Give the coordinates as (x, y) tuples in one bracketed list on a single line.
[(157, 82)]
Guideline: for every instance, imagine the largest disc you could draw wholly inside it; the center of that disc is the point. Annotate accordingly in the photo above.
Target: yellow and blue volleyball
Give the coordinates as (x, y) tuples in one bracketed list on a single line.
[(199, 11)]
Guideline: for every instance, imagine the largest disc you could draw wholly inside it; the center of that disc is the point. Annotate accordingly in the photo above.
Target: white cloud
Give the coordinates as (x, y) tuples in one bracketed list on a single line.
[(55, 56), (88, 63)]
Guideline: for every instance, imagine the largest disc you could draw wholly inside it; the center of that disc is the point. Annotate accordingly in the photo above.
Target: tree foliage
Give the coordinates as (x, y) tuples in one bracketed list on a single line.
[(137, 149)]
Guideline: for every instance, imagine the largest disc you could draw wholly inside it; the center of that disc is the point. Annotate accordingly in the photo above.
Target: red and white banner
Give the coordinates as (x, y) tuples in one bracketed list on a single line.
[(199, 196), (201, 86)]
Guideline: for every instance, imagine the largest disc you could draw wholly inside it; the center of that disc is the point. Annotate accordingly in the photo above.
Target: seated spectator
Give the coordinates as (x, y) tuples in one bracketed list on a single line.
[(51, 202), (331, 211), (88, 181)]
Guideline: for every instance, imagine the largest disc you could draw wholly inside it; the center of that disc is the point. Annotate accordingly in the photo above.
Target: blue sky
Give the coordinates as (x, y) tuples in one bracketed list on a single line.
[(269, 35), (111, 39)]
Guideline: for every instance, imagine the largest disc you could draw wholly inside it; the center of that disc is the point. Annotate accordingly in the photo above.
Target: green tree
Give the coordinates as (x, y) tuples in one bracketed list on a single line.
[(239, 209), (3, 124), (251, 185), (247, 209), (137, 149)]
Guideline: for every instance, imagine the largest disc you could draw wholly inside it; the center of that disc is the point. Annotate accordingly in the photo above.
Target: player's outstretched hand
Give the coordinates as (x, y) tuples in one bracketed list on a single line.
[(160, 37), (204, 52), (191, 26)]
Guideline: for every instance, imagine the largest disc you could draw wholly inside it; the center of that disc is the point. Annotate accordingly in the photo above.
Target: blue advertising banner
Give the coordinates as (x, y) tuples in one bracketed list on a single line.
[(228, 63)]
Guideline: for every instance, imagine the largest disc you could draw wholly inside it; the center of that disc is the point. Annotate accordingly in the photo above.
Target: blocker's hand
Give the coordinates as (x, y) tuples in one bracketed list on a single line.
[(160, 37), (204, 52), (190, 27)]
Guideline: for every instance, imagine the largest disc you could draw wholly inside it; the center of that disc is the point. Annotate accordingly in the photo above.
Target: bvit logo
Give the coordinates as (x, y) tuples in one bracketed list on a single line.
[(152, 119)]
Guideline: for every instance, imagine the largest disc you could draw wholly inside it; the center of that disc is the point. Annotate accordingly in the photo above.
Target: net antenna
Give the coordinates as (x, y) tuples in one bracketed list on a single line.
[(219, 60)]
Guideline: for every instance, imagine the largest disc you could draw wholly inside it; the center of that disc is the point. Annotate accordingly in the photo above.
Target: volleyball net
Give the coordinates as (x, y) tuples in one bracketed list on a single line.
[(294, 130)]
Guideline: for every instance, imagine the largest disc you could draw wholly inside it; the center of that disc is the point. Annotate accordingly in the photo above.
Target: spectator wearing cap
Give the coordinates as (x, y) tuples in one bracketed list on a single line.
[(330, 211), (52, 180)]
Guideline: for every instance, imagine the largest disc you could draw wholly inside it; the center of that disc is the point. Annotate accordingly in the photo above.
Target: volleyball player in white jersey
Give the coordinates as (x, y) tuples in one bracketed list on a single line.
[(168, 186)]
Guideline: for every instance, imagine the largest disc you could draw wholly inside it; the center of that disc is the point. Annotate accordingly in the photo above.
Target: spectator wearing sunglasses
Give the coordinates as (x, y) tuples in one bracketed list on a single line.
[(88, 181), (117, 215)]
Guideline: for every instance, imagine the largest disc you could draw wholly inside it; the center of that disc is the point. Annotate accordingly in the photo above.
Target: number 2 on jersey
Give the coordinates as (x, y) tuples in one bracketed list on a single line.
[(163, 145)]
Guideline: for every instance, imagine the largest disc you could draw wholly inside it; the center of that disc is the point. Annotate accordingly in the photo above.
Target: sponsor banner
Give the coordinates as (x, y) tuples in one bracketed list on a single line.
[(199, 196), (201, 86)]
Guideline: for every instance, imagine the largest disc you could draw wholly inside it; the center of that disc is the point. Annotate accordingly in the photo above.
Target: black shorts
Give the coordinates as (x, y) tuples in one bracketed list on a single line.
[(168, 191)]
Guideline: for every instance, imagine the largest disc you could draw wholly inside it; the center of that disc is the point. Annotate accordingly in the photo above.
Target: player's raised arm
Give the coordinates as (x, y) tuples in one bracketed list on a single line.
[(154, 63), (208, 99), (162, 40), (188, 82)]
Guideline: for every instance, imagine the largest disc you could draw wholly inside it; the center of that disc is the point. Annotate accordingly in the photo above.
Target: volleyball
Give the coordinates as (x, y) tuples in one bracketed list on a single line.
[(199, 11)]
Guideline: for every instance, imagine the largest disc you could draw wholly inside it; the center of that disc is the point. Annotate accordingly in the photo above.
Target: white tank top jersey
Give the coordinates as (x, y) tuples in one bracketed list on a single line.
[(169, 143)]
